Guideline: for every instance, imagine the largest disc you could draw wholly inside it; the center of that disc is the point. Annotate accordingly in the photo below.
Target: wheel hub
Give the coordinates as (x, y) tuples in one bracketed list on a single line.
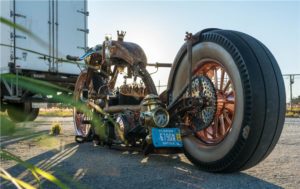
[(225, 102), (202, 117)]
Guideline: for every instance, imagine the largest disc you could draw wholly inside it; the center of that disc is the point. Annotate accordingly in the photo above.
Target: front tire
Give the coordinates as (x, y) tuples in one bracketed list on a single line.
[(82, 122), (250, 112)]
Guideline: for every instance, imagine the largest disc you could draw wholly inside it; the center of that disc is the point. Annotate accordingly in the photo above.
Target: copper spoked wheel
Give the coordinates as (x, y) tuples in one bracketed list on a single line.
[(82, 122), (249, 100), (225, 93)]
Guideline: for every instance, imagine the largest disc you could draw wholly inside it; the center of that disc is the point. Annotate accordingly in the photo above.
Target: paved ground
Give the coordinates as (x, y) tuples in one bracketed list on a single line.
[(86, 166)]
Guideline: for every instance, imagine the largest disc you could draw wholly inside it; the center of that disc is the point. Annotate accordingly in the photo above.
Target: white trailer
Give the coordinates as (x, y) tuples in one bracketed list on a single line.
[(62, 28)]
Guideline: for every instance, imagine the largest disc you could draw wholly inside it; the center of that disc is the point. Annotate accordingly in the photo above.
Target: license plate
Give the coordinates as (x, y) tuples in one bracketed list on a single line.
[(166, 137)]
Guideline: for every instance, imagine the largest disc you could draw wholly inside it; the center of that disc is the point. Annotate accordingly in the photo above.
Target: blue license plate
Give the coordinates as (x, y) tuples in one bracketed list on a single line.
[(166, 137)]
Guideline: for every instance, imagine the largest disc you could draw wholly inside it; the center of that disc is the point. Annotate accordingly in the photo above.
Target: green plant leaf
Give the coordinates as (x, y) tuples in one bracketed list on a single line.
[(7, 127), (44, 174), (46, 88), (18, 181)]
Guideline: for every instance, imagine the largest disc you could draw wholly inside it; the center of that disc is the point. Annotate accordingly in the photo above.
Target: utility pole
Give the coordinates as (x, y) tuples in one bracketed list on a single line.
[(292, 80), (292, 77), (158, 86)]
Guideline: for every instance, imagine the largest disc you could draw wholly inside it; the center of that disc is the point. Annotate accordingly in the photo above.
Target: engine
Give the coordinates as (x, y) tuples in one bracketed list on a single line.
[(132, 126)]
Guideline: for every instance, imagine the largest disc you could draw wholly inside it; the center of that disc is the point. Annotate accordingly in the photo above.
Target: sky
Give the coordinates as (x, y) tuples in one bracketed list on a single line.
[(159, 27)]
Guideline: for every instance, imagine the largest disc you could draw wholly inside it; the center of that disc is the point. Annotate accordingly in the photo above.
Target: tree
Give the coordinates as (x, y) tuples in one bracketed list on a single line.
[(296, 100)]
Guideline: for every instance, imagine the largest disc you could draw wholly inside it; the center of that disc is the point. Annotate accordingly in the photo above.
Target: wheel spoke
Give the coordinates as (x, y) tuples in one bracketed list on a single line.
[(216, 126), (231, 93), (222, 125), (229, 107), (227, 85), (206, 133), (230, 101), (210, 73), (222, 79), (77, 119), (210, 131), (216, 78), (228, 120)]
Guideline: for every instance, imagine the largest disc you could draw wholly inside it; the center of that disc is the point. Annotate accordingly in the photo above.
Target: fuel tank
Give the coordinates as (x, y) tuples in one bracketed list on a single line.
[(130, 52)]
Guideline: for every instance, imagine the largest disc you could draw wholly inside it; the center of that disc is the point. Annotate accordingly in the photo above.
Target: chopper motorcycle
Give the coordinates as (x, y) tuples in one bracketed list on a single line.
[(224, 105)]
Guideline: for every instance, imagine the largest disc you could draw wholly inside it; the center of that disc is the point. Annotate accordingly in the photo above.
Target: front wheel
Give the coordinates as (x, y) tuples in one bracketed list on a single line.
[(82, 121), (250, 106)]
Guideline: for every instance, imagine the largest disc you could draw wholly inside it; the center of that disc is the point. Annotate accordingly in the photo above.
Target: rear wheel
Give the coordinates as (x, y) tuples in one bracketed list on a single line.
[(250, 101)]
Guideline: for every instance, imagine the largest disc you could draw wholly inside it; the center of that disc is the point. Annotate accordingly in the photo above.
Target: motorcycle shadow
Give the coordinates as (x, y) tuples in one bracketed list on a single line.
[(89, 166)]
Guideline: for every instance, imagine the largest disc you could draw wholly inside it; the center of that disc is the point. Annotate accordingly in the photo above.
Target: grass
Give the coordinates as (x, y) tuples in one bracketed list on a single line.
[(56, 112), (51, 112), (296, 109), (292, 114), (3, 113), (7, 127), (295, 112), (56, 128)]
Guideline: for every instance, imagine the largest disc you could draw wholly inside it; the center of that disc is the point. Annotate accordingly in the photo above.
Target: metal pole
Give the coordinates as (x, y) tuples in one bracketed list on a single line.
[(14, 31), (49, 22), (291, 91), (85, 25), (158, 86), (292, 80), (56, 37), (53, 35)]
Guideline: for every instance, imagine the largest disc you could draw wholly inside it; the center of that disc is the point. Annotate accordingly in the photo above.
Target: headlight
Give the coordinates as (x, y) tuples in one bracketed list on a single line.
[(107, 53), (161, 117), (153, 113)]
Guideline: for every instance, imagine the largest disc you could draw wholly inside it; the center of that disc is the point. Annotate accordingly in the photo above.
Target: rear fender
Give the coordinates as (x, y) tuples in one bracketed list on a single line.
[(178, 60)]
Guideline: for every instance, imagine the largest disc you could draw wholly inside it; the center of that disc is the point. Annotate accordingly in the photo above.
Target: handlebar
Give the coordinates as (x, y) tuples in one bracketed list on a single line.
[(73, 58), (157, 65)]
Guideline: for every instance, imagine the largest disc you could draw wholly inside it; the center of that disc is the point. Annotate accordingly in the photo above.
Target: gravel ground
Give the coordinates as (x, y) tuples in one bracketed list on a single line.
[(87, 166)]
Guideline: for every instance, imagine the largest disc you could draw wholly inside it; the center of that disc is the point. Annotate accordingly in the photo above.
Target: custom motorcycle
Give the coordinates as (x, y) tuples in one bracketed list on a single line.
[(224, 105)]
